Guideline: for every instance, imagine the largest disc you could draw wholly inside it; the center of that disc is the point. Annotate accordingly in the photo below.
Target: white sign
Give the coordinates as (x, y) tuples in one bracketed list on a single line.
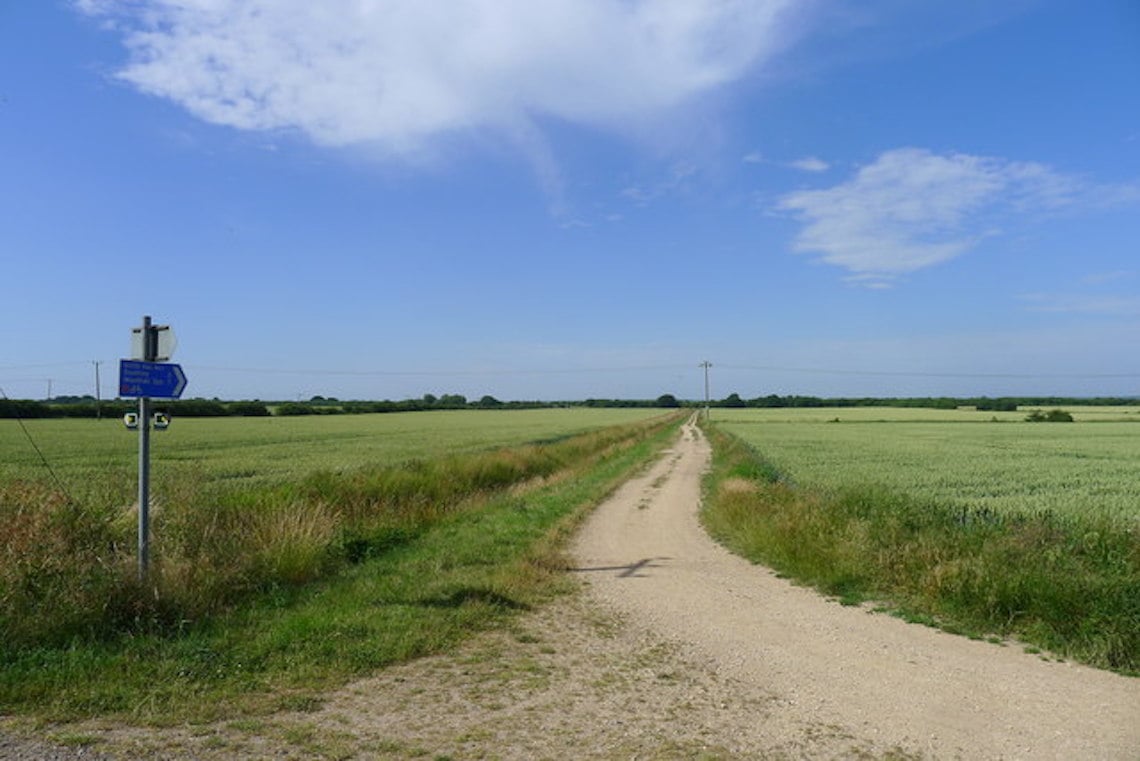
[(166, 343)]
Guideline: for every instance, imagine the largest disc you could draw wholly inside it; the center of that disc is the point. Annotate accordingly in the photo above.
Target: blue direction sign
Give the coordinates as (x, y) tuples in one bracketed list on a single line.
[(159, 380)]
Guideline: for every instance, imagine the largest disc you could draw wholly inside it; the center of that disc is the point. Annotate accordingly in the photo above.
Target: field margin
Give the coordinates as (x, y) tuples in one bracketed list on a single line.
[(1066, 585), (475, 566)]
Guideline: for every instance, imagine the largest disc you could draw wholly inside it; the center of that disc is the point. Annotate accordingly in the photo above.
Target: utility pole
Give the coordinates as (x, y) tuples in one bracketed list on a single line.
[(706, 365), (98, 396), (49, 389)]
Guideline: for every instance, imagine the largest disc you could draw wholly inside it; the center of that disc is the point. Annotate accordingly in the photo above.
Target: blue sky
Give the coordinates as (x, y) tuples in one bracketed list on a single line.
[(573, 198)]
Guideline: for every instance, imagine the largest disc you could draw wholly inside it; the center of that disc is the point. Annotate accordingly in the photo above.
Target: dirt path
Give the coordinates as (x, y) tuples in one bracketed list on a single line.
[(881, 681), (680, 650)]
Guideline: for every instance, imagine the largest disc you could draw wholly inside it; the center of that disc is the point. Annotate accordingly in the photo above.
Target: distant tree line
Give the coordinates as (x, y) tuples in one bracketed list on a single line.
[(86, 406), (996, 404), (81, 407)]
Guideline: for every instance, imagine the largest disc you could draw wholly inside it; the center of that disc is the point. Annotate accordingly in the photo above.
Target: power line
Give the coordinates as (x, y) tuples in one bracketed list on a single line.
[(41, 366), (440, 373), (924, 374), (457, 373), (39, 452)]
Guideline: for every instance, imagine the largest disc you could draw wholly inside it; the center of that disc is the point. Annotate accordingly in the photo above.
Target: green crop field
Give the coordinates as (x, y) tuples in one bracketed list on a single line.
[(968, 458), (978, 522), (269, 450)]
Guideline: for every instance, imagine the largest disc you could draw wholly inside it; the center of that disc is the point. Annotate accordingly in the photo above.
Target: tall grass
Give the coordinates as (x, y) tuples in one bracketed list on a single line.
[(67, 570), (61, 567), (1066, 583)]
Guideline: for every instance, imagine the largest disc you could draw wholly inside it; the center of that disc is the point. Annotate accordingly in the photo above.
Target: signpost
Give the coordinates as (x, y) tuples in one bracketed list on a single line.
[(150, 379), (158, 342), (144, 376)]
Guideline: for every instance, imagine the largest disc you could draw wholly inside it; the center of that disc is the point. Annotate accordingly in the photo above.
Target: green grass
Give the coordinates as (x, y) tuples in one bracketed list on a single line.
[(1063, 579), (66, 567), (461, 565)]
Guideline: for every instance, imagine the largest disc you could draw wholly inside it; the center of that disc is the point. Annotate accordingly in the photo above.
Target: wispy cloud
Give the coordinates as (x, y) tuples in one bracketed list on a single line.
[(805, 164), (912, 208), (1079, 303), (810, 164), (1091, 296), (1101, 278), (679, 175), (398, 74)]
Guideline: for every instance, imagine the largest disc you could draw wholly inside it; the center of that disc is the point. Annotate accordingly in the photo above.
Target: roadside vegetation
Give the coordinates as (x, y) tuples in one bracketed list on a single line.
[(262, 595), (1066, 581), (1052, 416)]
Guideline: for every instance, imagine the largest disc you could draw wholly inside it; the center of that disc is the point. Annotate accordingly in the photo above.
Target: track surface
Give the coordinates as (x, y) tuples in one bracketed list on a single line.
[(881, 682)]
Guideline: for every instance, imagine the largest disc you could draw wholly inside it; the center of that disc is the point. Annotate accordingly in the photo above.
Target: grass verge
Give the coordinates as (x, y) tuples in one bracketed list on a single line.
[(455, 571), (1069, 584)]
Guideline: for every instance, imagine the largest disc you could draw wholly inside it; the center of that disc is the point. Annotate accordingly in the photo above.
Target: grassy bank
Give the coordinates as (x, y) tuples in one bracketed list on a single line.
[(264, 597), (1069, 584)]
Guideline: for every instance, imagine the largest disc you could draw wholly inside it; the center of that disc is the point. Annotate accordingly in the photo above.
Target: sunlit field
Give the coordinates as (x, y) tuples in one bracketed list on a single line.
[(977, 522), (268, 450), (343, 544), (254, 520), (975, 459)]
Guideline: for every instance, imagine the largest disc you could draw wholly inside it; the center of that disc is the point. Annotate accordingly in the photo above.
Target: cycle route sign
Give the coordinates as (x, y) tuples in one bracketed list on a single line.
[(155, 380)]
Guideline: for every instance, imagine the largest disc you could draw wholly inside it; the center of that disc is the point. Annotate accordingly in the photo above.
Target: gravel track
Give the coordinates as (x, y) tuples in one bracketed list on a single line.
[(880, 680)]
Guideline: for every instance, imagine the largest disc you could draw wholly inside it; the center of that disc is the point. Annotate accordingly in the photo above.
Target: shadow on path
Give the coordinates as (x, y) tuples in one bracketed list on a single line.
[(633, 570)]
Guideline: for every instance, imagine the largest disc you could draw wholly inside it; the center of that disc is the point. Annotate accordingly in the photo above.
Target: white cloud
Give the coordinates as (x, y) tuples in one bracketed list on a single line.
[(1100, 278), (810, 164), (806, 164), (912, 209), (679, 175), (399, 73)]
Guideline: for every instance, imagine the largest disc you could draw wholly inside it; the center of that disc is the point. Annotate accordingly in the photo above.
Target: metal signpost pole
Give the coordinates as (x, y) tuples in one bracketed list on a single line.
[(149, 350), (145, 377)]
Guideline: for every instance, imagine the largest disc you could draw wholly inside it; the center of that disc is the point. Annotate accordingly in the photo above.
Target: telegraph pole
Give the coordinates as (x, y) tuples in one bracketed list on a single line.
[(706, 365), (98, 396)]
